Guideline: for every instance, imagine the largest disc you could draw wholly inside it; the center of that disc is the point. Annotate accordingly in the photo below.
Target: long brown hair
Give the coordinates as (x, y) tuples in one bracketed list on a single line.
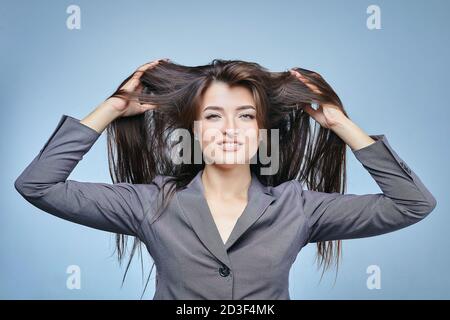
[(139, 147)]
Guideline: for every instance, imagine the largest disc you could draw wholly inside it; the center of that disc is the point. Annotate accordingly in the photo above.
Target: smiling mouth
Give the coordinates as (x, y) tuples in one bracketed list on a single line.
[(230, 146)]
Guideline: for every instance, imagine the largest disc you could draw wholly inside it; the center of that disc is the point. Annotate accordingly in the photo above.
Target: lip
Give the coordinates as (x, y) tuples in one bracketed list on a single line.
[(230, 146), (230, 141)]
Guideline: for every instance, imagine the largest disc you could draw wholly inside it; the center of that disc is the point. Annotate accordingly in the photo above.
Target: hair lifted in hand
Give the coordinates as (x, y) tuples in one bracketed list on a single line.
[(139, 147)]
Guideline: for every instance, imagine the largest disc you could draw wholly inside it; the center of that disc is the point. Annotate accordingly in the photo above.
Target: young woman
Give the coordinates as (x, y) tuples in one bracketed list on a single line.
[(224, 225)]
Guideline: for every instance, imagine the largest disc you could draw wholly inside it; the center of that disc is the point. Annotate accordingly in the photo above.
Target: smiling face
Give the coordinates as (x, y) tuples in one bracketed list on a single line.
[(226, 124)]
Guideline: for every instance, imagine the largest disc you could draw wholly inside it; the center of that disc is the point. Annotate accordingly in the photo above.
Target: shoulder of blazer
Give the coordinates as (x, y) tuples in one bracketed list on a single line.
[(289, 186)]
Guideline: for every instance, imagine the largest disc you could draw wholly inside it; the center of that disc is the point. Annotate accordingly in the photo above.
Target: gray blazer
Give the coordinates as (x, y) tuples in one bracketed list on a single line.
[(191, 260)]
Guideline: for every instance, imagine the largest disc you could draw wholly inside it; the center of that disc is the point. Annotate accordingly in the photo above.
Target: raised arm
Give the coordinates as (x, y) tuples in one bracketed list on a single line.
[(118, 208), (404, 199)]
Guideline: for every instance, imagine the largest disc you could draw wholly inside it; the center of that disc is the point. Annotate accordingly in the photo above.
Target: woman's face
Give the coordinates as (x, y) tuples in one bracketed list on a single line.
[(226, 125)]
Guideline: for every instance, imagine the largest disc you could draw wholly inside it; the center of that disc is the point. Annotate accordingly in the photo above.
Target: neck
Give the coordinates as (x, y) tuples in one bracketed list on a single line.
[(227, 183)]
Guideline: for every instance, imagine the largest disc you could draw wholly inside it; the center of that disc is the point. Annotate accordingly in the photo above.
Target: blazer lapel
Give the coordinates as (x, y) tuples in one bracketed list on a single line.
[(259, 198), (194, 205)]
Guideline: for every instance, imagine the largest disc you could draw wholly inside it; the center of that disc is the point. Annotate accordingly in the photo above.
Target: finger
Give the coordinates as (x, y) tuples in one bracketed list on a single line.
[(141, 70), (141, 106), (300, 76), (146, 106), (308, 83), (134, 82), (314, 89), (310, 110), (152, 64), (131, 84), (137, 74), (148, 65)]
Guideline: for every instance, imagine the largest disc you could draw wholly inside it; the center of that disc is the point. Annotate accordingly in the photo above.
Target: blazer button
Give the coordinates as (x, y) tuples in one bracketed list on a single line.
[(224, 271)]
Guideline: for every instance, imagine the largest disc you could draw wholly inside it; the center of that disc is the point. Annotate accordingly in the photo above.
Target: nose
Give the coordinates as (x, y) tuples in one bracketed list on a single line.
[(231, 132), (230, 127)]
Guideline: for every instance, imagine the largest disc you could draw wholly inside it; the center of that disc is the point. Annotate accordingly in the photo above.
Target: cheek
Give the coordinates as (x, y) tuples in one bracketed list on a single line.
[(209, 133), (251, 133), (251, 136)]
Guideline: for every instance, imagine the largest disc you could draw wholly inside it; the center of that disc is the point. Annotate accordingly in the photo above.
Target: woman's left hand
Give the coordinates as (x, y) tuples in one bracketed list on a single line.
[(327, 115)]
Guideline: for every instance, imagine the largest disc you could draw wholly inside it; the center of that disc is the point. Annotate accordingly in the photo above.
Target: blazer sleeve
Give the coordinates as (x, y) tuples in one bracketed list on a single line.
[(118, 208), (404, 199)]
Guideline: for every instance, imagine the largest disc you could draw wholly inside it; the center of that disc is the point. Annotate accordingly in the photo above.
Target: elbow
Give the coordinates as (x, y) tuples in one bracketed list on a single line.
[(26, 189), (416, 210), (22, 188), (425, 207), (19, 186), (432, 202)]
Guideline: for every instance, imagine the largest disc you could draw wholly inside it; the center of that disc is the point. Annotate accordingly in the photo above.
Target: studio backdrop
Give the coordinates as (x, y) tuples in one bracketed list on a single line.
[(387, 61)]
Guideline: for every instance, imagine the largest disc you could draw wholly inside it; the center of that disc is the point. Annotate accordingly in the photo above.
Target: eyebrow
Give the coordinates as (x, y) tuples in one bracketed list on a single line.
[(237, 108)]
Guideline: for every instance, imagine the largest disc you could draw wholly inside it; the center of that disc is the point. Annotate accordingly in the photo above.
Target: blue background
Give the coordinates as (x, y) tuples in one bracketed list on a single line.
[(392, 81)]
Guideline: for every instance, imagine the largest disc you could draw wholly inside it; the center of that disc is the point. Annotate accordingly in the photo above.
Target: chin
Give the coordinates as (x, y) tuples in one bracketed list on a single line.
[(231, 159), (226, 166)]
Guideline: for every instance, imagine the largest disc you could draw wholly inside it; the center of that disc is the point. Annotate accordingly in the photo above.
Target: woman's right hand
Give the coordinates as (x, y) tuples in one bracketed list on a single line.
[(126, 107)]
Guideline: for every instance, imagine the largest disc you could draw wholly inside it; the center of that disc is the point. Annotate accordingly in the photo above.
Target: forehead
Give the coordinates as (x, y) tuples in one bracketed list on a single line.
[(222, 95)]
